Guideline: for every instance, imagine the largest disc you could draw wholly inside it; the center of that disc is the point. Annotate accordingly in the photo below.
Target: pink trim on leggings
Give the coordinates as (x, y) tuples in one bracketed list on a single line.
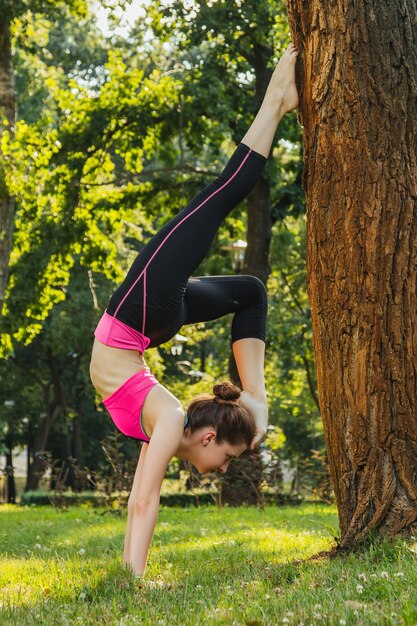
[(144, 302), (169, 235)]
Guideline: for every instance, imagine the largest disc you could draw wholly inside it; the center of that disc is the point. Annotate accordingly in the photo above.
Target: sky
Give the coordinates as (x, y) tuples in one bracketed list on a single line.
[(133, 10)]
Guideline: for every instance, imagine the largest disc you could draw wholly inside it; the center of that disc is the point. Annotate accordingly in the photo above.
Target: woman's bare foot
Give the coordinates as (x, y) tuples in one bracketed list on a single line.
[(259, 409), (282, 84)]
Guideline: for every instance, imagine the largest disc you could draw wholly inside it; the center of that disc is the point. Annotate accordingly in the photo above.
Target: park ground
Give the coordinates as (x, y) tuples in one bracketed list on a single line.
[(242, 566)]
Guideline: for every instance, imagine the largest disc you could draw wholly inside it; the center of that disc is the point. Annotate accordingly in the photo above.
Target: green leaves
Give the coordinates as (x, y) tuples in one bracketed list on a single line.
[(70, 175)]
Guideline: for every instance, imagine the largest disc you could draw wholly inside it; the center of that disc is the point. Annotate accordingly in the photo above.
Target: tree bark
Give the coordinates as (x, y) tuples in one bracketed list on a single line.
[(8, 112), (357, 76)]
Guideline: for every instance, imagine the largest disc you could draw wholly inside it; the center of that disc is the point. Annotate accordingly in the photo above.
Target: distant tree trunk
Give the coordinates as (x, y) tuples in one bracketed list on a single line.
[(8, 112), (77, 443), (11, 485), (357, 76), (36, 467)]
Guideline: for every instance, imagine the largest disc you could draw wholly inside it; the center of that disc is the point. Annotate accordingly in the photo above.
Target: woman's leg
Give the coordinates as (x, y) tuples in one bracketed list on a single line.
[(249, 355), (151, 297), (281, 96), (210, 297)]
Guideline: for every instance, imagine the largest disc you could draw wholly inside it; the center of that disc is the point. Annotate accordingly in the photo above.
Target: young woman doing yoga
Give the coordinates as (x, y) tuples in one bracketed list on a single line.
[(157, 297)]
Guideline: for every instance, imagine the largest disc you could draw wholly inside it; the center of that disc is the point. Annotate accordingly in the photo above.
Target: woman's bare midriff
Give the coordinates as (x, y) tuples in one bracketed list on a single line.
[(111, 367)]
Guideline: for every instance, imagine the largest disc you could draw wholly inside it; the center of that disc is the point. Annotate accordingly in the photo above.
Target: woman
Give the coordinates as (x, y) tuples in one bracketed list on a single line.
[(156, 298)]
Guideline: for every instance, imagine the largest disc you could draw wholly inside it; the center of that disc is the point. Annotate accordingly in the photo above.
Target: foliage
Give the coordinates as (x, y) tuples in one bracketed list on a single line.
[(113, 502), (60, 179)]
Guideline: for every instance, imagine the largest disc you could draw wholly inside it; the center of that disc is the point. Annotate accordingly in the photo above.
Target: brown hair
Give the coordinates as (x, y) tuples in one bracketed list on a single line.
[(223, 412)]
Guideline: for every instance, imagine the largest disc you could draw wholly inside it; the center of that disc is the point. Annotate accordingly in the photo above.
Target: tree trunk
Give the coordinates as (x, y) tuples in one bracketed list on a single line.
[(357, 76), (36, 467), (259, 231), (8, 112)]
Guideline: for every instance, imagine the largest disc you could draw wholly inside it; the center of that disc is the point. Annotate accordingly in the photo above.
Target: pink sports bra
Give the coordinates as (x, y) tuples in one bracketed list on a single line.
[(125, 404), (114, 333)]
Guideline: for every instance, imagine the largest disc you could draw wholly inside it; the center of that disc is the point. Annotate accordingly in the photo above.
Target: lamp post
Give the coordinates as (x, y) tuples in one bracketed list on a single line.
[(179, 341), (237, 251)]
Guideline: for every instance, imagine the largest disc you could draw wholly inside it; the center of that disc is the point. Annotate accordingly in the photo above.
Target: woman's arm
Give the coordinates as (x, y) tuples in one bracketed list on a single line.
[(130, 503), (164, 443)]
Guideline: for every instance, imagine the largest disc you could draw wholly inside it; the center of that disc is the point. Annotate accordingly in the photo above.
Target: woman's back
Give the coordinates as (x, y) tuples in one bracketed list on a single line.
[(111, 367)]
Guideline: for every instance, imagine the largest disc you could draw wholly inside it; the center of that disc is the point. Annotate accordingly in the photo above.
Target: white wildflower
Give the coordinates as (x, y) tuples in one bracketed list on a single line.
[(384, 575), (81, 551), (359, 588)]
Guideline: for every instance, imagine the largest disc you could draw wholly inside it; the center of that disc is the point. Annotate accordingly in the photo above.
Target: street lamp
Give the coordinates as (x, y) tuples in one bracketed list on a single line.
[(237, 252), (176, 348), (186, 368)]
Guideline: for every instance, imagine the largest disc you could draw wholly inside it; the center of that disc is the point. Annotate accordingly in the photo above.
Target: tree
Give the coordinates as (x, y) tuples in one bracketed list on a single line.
[(357, 77), (9, 10)]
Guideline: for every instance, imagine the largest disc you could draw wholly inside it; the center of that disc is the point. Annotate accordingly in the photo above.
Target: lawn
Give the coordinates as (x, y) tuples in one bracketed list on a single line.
[(235, 566)]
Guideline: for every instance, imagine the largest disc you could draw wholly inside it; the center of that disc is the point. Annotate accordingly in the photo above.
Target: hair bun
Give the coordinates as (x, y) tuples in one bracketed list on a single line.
[(226, 391)]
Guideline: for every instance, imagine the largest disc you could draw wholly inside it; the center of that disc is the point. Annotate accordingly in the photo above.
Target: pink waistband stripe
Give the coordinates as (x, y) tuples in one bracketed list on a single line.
[(112, 332)]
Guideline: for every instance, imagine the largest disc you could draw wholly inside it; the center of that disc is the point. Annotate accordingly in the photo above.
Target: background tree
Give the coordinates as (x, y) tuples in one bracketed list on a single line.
[(9, 11), (358, 85), (106, 155)]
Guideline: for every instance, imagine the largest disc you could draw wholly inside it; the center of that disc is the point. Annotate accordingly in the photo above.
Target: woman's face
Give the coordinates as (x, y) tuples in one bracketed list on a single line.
[(211, 456)]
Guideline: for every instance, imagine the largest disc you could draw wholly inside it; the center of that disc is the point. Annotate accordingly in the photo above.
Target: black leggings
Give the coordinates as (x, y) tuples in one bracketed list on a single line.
[(158, 296)]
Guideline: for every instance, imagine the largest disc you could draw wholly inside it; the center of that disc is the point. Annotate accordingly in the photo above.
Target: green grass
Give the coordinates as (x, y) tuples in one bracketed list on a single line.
[(235, 566)]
